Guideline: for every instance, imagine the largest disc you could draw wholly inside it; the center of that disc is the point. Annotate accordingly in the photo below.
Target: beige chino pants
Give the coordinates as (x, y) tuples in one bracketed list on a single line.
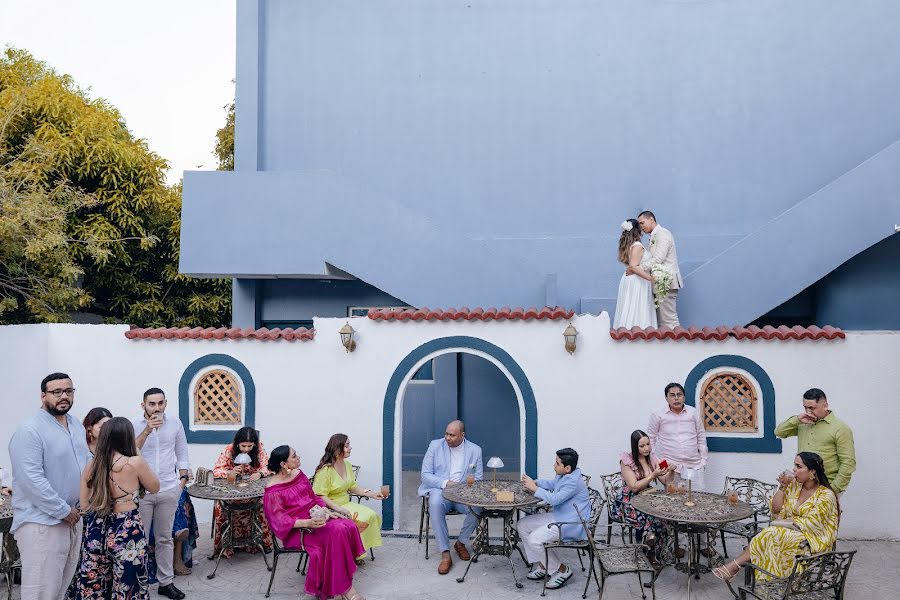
[(160, 510), (49, 558)]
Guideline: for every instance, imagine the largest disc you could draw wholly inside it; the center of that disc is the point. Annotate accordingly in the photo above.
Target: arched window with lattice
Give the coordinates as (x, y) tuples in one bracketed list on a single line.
[(728, 403), (218, 399)]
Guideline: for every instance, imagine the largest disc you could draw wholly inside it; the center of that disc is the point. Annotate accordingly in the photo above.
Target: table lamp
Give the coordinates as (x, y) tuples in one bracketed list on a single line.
[(495, 463), (243, 459), (688, 474)]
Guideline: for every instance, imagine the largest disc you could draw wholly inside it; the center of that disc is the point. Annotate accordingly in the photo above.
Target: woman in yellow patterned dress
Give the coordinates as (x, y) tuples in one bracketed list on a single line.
[(334, 479), (805, 521)]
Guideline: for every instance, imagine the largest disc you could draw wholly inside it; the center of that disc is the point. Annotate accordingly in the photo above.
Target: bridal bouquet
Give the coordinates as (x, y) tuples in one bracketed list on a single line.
[(662, 281)]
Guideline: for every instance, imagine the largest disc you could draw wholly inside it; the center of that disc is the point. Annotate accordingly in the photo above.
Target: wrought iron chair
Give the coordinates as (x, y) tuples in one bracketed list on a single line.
[(612, 485), (9, 560), (755, 493), (619, 560), (425, 522), (817, 577), (278, 550), (584, 545)]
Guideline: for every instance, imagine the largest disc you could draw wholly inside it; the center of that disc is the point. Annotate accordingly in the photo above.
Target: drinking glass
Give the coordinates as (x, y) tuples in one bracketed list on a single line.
[(470, 480), (671, 488), (732, 497), (385, 491), (232, 476)]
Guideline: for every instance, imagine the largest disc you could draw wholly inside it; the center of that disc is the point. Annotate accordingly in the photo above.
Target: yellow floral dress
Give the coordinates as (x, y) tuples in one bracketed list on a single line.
[(328, 483), (775, 547)]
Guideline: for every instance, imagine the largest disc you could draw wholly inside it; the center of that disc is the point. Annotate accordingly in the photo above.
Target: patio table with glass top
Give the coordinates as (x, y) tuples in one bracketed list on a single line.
[(242, 495), (481, 495), (694, 516)]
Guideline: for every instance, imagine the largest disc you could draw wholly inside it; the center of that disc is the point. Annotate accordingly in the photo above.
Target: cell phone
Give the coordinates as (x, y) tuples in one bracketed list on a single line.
[(663, 464)]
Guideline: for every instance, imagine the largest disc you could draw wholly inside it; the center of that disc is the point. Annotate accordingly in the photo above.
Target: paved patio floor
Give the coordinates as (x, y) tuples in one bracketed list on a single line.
[(400, 571)]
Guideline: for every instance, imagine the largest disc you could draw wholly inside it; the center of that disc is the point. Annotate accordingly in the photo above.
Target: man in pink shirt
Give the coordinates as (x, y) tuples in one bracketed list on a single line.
[(677, 434)]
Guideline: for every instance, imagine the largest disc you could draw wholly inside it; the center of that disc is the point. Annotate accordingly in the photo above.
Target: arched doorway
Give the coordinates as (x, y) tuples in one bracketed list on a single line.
[(396, 391)]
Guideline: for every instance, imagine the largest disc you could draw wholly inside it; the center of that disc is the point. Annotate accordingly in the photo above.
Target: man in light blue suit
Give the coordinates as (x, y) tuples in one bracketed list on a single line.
[(568, 495), (449, 462)]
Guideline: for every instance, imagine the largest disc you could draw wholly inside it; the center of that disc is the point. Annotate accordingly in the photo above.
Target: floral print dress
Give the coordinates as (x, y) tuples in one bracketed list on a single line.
[(621, 509), (240, 520), (114, 558)]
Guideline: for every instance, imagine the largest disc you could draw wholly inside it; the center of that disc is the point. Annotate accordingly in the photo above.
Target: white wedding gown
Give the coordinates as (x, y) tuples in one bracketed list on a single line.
[(634, 305)]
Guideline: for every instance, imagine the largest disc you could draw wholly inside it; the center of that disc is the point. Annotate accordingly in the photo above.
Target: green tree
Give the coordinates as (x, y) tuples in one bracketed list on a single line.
[(109, 240), (225, 141)]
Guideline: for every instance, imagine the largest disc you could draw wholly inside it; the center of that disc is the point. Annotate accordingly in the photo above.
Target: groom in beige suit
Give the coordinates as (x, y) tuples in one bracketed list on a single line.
[(662, 251)]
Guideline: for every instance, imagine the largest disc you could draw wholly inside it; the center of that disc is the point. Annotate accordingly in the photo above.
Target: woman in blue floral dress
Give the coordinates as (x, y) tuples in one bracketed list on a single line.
[(639, 470), (114, 558)]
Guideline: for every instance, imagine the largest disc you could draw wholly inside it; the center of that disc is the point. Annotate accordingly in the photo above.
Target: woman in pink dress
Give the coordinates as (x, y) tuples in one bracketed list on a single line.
[(332, 541)]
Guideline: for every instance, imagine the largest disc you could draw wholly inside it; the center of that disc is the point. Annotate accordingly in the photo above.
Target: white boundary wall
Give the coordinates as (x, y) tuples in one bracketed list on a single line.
[(592, 400)]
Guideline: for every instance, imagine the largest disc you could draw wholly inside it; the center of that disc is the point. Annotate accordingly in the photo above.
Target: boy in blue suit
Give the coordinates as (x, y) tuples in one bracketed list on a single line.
[(448, 462), (566, 492)]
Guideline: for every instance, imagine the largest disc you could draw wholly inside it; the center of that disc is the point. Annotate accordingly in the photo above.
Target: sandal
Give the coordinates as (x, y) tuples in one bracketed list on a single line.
[(355, 596), (724, 574)]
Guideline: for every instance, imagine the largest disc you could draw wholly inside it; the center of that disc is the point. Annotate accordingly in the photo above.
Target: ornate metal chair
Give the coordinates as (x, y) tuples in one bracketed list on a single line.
[(817, 577), (9, 560), (586, 545), (612, 485), (619, 560), (425, 522), (278, 550), (755, 493)]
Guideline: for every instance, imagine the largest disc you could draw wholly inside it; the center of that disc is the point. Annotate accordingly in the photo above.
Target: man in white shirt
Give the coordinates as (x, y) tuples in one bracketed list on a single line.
[(448, 462), (662, 252), (677, 434), (163, 445)]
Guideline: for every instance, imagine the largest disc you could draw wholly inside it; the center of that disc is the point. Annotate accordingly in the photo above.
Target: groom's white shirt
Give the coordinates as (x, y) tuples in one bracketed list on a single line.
[(662, 251)]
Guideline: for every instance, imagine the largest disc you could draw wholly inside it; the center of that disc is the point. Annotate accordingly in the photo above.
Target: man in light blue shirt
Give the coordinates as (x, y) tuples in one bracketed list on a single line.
[(48, 452)]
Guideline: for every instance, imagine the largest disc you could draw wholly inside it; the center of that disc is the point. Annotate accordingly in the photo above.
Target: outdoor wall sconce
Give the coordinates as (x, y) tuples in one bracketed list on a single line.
[(570, 334), (347, 338)]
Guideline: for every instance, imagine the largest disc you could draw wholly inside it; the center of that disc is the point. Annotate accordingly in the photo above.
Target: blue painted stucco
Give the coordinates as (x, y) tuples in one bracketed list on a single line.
[(469, 152), (768, 444), (184, 398), (403, 369)]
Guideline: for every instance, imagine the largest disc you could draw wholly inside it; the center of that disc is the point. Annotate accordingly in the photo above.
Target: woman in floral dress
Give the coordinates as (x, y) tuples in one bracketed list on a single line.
[(114, 558), (246, 440), (640, 468), (805, 516)]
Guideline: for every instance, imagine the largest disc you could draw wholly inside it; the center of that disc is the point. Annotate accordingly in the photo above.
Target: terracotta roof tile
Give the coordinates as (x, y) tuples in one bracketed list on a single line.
[(219, 333), (721, 333), (475, 314)]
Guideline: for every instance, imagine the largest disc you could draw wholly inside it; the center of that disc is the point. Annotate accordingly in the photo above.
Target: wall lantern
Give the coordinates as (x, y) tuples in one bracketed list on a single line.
[(347, 338), (570, 334)]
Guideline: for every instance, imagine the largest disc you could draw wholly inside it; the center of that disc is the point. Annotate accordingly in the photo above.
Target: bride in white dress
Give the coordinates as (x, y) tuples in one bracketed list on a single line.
[(634, 305)]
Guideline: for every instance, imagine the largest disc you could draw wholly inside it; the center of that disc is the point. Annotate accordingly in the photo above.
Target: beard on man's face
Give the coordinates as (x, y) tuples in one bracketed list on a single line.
[(58, 411)]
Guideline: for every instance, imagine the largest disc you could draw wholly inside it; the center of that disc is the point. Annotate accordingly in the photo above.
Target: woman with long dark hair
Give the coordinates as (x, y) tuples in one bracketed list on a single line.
[(634, 303), (246, 441), (640, 468), (92, 422), (114, 560), (333, 541), (334, 479), (806, 515)]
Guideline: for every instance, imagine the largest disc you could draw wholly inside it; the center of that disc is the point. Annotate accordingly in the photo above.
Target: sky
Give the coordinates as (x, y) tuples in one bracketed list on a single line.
[(168, 66)]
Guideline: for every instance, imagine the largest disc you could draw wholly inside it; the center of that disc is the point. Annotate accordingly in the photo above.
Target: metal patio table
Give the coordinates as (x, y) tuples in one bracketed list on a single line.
[(235, 497), (479, 495), (708, 510)]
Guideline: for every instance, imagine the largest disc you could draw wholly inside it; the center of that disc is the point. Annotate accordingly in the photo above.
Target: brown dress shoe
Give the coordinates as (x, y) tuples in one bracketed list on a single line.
[(446, 563), (461, 550)]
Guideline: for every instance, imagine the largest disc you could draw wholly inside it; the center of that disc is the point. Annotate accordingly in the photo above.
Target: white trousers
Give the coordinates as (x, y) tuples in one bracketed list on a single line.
[(160, 509), (49, 558), (666, 314), (533, 532)]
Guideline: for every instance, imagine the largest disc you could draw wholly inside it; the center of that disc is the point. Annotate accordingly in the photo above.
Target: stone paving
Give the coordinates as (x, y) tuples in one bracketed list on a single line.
[(400, 571)]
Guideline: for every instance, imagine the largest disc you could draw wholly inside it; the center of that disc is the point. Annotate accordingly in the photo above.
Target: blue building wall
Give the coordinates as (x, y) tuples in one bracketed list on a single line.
[(284, 302), (483, 152), (465, 387)]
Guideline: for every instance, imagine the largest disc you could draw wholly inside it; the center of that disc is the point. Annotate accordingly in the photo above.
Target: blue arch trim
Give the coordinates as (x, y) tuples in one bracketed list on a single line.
[(223, 436), (407, 364), (768, 444)]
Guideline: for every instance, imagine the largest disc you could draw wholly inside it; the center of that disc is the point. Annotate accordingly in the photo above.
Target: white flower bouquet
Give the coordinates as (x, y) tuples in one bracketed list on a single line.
[(662, 281)]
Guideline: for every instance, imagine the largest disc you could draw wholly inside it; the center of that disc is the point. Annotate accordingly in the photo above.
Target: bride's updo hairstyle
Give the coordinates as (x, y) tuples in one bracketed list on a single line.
[(279, 455), (629, 236)]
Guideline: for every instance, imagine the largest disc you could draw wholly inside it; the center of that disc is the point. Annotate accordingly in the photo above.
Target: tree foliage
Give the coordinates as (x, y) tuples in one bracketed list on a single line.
[(225, 141), (88, 221)]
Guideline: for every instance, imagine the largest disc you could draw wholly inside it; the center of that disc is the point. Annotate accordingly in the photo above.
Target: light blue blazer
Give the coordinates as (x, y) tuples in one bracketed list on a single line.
[(564, 493), (436, 465)]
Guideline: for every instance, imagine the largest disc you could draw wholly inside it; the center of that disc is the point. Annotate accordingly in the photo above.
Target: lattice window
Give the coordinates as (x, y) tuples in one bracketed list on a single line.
[(217, 399), (729, 403)]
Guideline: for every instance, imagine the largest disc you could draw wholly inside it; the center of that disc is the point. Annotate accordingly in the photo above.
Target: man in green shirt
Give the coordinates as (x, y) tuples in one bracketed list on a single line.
[(819, 431)]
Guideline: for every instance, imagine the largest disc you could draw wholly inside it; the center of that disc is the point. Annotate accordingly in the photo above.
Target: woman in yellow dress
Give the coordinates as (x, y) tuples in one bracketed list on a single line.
[(334, 479), (805, 521)]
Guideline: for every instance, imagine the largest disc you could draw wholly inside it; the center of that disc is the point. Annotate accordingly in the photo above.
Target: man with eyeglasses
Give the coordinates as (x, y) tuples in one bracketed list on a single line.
[(677, 434), (48, 452)]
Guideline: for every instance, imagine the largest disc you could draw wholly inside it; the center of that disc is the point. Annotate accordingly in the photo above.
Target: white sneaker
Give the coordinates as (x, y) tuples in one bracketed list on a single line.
[(537, 573), (558, 579)]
